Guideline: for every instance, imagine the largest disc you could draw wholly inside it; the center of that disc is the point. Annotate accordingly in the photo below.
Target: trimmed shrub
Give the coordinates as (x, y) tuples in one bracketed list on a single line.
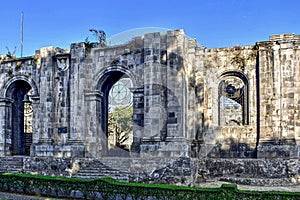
[(108, 188)]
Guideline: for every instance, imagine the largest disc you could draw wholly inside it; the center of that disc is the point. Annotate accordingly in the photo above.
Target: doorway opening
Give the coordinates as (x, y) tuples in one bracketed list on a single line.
[(21, 118), (117, 113)]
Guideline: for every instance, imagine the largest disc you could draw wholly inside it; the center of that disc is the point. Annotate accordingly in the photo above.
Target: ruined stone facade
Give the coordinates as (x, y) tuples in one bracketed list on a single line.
[(188, 101)]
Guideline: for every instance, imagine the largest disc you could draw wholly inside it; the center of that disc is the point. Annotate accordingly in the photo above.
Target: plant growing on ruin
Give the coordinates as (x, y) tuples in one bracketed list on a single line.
[(100, 36), (87, 46), (253, 54), (35, 58), (207, 63), (18, 65), (9, 54), (115, 61), (215, 59), (9, 72), (238, 59), (1, 59)]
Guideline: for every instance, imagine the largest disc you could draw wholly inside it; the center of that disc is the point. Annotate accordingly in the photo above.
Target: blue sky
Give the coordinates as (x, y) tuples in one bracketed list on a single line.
[(215, 23)]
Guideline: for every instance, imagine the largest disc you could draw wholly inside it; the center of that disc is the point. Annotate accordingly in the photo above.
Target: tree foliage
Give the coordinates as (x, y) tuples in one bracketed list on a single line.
[(120, 123)]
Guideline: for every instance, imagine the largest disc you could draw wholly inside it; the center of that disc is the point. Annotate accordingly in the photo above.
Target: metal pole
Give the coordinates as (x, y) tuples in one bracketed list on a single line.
[(22, 29)]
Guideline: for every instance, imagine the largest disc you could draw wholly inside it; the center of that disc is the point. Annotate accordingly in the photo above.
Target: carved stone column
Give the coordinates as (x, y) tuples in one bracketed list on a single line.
[(5, 127)]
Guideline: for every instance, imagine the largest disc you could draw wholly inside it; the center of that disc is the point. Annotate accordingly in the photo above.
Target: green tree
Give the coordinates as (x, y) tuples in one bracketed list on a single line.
[(120, 124)]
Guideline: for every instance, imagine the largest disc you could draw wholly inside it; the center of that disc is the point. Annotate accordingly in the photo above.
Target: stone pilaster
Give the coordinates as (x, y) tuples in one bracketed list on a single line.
[(46, 95), (77, 80), (35, 122), (198, 89), (61, 98), (296, 64), (176, 84), (44, 105), (192, 113), (177, 93), (95, 138), (138, 119), (278, 79), (266, 90), (5, 127), (154, 117)]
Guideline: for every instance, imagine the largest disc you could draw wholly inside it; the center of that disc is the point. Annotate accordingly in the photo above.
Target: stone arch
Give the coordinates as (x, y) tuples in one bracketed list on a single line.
[(29, 80), (105, 80), (101, 77), (17, 91), (233, 87)]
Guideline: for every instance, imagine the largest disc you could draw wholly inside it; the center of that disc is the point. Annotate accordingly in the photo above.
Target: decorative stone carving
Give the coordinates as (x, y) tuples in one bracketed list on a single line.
[(63, 62)]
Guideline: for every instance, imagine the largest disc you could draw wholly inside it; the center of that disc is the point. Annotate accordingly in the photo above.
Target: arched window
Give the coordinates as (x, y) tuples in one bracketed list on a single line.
[(233, 100)]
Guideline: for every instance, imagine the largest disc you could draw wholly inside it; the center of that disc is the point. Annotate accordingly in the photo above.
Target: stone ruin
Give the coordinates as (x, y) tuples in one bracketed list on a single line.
[(198, 114)]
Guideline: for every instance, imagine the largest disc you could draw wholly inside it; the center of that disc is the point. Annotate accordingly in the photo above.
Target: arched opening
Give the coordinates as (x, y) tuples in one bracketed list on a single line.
[(120, 124), (20, 118), (233, 100), (117, 112)]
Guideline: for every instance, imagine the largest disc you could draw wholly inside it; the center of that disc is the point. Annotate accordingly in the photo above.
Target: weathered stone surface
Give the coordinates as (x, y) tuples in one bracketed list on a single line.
[(47, 166), (180, 171), (188, 101)]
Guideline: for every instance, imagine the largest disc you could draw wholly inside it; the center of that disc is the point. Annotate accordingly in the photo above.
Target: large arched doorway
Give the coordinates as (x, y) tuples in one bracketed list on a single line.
[(120, 112), (116, 112), (20, 117)]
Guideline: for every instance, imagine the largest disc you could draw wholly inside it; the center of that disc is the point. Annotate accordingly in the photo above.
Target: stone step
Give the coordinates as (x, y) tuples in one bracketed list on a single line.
[(99, 172), (117, 168), (119, 177), (99, 168), (102, 175), (105, 164), (103, 172), (107, 171)]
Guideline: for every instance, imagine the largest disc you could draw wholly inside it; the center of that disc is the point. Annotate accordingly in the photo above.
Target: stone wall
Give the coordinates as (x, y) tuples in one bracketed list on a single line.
[(228, 73), (178, 90), (180, 171), (279, 96)]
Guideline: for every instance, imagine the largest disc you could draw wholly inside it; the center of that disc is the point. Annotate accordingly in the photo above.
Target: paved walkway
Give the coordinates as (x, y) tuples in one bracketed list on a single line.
[(13, 196), (291, 188)]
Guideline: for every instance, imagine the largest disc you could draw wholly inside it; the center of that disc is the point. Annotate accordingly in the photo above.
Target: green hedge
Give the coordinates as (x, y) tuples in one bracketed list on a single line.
[(107, 188)]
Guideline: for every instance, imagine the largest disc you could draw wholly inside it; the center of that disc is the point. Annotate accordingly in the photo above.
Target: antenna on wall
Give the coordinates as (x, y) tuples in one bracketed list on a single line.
[(22, 32)]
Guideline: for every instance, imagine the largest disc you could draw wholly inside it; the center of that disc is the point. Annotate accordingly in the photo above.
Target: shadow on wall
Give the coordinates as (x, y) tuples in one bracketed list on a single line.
[(230, 148)]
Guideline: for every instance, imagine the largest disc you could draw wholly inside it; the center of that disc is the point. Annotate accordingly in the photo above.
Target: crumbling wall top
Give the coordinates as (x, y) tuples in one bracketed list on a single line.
[(285, 37)]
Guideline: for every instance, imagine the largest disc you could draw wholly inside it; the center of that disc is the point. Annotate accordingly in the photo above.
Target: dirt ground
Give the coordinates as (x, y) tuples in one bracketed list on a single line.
[(291, 188)]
